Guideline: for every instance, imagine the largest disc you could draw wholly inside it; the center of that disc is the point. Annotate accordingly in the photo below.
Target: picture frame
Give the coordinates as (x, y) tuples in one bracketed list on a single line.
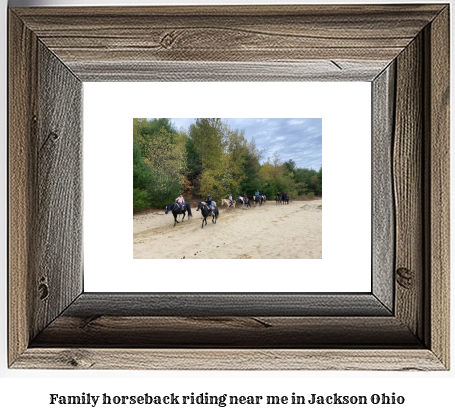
[(402, 324)]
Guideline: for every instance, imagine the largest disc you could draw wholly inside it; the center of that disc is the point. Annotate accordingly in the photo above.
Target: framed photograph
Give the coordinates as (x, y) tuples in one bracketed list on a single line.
[(401, 323)]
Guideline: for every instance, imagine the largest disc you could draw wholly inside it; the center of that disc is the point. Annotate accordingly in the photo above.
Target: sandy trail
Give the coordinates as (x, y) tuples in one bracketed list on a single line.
[(262, 232)]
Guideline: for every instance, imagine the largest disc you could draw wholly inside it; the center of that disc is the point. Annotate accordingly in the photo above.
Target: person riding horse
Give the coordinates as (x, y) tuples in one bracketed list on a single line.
[(209, 202), (231, 201), (180, 201)]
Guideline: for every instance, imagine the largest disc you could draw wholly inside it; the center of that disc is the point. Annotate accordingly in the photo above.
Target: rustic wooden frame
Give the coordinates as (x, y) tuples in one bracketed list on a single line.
[(403, 324)]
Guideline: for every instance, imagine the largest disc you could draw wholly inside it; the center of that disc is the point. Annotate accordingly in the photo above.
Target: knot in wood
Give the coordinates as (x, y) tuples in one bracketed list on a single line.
[(405, 278), (168, 40), (53, 136), (76, 359), (43, 291)]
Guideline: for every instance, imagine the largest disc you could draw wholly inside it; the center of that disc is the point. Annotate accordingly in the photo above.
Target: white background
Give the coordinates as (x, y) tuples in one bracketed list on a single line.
[(346, 138), (28, 390)]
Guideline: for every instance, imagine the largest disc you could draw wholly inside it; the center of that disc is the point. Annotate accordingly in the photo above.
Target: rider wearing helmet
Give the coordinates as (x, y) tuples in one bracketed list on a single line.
[(231, 201), (209, 202)]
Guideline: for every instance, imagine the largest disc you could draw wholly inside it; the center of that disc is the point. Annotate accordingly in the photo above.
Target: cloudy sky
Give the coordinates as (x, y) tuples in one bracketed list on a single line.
[(299, 139)]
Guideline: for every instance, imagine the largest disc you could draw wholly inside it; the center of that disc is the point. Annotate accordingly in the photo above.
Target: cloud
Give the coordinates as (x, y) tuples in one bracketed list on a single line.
[(299, 139)]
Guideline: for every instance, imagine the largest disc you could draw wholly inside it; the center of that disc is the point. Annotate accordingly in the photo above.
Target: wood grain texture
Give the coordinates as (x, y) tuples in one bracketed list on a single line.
[(383, 215), (235, 359), (58, 214), (407, 174), (256, 332), (45, 187), (309, 71), (90, 305), (22, 94), (226, 34), (438, 192)]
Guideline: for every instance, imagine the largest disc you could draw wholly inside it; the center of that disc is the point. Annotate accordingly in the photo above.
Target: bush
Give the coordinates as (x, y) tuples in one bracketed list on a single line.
[(308, 196), (141, 200)]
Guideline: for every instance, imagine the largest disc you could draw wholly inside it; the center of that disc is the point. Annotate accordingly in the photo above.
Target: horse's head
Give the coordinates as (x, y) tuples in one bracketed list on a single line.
[(198, 207), (168, 208)]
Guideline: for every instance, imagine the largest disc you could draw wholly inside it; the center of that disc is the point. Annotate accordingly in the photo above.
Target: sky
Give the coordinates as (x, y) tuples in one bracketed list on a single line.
[(299, 139)]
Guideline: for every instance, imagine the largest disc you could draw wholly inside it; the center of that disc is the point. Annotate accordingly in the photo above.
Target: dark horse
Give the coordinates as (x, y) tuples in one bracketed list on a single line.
[(205, 210), (285, 199), (176, 209), (278, 198), (257, 199)]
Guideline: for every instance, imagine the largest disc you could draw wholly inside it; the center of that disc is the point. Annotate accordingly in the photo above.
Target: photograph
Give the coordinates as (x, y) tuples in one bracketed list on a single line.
[(237, 188)]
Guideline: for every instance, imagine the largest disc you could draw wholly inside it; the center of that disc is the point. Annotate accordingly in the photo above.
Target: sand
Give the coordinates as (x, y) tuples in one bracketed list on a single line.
[(261, 232)]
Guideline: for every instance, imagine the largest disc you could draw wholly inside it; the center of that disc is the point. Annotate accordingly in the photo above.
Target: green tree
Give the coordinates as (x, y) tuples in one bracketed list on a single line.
[(159, 162), (208, 135), (141, 181), (165, 155)]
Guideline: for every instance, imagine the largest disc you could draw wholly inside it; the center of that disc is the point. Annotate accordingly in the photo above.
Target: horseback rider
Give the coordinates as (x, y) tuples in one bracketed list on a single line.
[(263, 194), (245, 198), (256, 193), (209, 202), (231, 201), (180, 201)]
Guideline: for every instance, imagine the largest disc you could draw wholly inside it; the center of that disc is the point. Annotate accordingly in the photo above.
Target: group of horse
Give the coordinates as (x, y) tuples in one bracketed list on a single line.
[(282, 199), (184, 208), (179, 209), (244, 202)]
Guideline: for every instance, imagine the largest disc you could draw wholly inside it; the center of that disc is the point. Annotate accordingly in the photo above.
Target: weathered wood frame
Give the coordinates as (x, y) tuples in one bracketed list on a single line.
[(403, 50)]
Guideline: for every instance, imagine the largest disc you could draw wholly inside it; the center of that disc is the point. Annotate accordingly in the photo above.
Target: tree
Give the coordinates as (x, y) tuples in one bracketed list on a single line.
[(208, 137), (165, 155), (290, 165), (141, 181)]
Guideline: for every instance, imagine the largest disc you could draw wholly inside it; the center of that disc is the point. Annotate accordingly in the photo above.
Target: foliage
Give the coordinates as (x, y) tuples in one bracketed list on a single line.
[(210, 157), (141, 200), (159, 162), (309, 180)]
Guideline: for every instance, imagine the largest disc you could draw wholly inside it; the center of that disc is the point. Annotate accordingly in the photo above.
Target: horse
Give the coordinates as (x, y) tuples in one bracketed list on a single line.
[(205, 203), (176, 209), (263, 198), (205, 211), (286, 199), (243, 202), (257, 199), (278, 199), (227, 203)]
